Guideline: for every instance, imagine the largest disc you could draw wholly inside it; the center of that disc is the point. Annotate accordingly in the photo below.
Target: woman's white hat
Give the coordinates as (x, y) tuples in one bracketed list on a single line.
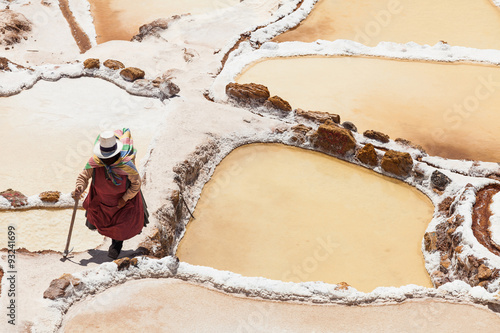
[(108, 145)]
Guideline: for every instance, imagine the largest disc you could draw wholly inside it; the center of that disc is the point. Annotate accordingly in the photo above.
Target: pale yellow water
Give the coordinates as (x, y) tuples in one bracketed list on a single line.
[(296, 215), (450, 109), (458, 22), (48, 131), (47, 229), (121, 19)]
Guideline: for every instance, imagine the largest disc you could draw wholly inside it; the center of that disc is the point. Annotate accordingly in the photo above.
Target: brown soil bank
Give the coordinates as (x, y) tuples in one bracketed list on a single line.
[(481, 218), (170, 305), (81, 38), (424, 22)]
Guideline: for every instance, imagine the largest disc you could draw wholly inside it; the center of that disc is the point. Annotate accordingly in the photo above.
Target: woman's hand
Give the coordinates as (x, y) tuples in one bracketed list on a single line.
[(121, 203), (77, 192)]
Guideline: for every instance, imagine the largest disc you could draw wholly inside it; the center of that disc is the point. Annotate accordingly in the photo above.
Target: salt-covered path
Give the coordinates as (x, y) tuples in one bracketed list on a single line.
[(171, 305)]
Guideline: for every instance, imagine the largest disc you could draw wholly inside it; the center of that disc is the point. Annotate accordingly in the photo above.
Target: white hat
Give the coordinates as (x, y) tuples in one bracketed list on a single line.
[(108, 145)]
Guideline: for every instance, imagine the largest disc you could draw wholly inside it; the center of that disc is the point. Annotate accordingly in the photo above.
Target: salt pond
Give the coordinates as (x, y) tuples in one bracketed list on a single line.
[(449, 109), (47, 229), (296, 215), (458, 22), (50, 129), (198, 309), (121, 19)]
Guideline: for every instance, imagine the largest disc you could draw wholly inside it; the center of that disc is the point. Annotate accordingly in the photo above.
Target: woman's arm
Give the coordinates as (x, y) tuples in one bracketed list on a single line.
[(82, 181), (135, 186)]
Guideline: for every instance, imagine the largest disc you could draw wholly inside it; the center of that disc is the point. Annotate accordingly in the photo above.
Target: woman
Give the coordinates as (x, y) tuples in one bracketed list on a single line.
[(114, 205)]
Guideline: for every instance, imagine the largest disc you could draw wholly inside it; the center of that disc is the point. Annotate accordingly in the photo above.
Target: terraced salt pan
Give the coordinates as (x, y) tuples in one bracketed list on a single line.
[(296, 215), (458, 22), (160, 305), (50, 130), (449, 109), (47, 229), (121, 19)]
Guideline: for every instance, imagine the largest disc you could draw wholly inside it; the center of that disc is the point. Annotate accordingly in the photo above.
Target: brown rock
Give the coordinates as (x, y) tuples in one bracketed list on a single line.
[(153, 28), (168, 89), (249, 93), (114, 64), (58, 286), (446, 263), (16, 198), (91, 63), (368, 155), (279, 103), (122, 263), (153, 246), (379, 136), (14, 27), (483, 284), (334, 139), (50, 196), (430, 241), (342, 286), (350, 126), (156, 82), (318, 116), (397, 163), (459, 249), (439, 278), (300, 133), (133, 261), (483, 272), (444, 206), (132, 74), (4, 64), (301, 128)]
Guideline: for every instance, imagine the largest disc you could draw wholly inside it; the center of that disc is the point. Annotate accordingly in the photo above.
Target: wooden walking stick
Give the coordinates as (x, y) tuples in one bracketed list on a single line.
[(66, 252)]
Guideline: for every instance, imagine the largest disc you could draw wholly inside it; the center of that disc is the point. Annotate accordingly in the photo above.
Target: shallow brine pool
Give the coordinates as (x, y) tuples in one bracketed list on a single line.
[(47, 229), (121, 19), (449, 109), (296, 215), (458, 22)]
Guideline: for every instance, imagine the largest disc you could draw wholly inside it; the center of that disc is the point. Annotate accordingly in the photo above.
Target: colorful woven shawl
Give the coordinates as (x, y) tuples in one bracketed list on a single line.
[(125, 165)]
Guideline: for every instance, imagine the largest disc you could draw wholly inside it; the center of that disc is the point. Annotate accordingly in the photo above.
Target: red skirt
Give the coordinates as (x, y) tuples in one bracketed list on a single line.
[(102, 211)]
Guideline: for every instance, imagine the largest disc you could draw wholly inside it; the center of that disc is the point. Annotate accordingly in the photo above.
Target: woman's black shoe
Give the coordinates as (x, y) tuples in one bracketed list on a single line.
[(115, 248), (113, 253)]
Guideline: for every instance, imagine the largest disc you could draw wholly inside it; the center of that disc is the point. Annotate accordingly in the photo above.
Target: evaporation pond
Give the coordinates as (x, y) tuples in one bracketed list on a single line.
[(47, 229), (458, 22), (121, 19), (449, 109), (296, 215)]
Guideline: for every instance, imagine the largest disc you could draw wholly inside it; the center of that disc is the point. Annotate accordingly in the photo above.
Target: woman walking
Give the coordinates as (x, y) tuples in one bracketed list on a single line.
[(114, 205)]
